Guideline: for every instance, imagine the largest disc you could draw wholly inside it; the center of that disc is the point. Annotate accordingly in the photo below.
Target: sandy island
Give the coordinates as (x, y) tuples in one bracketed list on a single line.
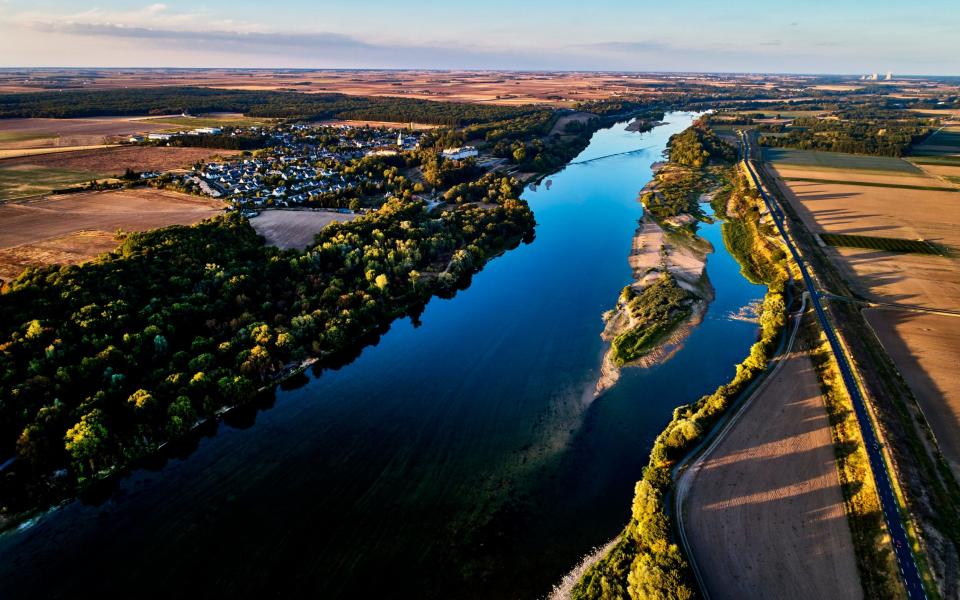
[(655, 251)]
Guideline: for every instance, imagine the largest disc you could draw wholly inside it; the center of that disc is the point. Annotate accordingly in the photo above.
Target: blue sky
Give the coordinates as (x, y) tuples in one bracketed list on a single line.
[(815, 36)]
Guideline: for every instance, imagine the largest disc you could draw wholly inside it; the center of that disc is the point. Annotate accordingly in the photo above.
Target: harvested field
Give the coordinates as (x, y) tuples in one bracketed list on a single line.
[(765, 514), (836, 160), (75, 227), (58, 133), (924, 346), (70, 249), (882, 212), (295, 229)]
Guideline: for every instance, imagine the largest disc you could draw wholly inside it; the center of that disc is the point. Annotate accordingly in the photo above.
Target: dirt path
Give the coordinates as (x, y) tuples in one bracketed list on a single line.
[(764, 514)]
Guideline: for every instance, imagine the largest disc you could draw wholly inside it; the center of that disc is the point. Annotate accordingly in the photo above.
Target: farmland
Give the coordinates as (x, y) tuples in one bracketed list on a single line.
[(810, 159), (76, 227), (924, 348), (64, 133), (294, 229), (765, 512), (25, 176), (173, 123), (851, 209)]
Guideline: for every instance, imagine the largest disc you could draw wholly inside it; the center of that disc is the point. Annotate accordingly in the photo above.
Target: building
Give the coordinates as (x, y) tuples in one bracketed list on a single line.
[(159, 136), (207, 131), (136, 139), (460, 153)]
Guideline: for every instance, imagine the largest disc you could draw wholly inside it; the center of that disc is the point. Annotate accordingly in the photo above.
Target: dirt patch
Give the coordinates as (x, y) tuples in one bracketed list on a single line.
[(924, 348), (76, 227), (70, 249), (295, 229), (765, 515)]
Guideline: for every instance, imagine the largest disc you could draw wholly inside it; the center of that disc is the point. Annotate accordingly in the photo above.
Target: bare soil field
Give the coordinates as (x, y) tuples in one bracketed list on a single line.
[(494, 87), (926, 349), (929, 281), (295, 229), (765, 514), (75, 227)]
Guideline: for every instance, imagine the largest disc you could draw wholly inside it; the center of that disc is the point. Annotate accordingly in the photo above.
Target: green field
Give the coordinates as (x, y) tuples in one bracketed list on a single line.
[(28, 180), (881, 243), (839, 160), (209, 121), (936, 160), (875, 184), (945, 142), (24, 136)]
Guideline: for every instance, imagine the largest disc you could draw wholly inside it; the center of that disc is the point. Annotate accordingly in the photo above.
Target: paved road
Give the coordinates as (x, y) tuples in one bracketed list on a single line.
[(888, 501)]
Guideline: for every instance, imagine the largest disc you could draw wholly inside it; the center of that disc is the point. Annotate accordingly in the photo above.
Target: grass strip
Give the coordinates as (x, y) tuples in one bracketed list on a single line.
[(930, 188)]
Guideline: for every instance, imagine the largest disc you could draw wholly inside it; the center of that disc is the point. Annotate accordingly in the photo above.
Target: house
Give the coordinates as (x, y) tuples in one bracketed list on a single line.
[(460, 153), (136, 139), (162, 137)]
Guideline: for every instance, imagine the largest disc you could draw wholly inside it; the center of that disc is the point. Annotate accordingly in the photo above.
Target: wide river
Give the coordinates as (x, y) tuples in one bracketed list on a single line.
[(465, 457)]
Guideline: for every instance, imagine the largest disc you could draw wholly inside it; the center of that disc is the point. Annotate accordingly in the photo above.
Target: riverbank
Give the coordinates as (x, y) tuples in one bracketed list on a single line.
[(671, 291), (644, 560)]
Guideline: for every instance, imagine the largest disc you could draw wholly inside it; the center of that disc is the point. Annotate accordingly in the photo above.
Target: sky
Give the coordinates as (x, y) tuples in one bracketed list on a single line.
[(787, 36)]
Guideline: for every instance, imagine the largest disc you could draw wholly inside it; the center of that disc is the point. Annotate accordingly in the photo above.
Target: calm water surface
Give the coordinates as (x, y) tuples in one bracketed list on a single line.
[(462, 458)]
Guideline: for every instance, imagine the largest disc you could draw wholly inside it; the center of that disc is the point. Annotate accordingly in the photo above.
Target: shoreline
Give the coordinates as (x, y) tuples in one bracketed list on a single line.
[(657, 251)]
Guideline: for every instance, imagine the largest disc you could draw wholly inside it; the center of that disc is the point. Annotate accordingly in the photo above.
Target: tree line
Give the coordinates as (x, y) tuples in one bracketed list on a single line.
[(102, 362), (267, 104)]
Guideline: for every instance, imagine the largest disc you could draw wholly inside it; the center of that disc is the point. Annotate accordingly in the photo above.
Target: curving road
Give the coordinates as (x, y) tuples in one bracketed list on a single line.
[(888, 500)]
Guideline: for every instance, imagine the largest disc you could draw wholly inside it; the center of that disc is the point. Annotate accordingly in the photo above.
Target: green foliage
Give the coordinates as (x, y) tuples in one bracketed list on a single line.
[(99, 363), (696, 145), (645, 563), (654, 312), (881, 243), (857, 130), (288, 105)]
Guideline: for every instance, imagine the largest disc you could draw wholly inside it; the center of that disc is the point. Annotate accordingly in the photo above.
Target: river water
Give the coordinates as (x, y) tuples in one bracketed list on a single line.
[(464, 457)]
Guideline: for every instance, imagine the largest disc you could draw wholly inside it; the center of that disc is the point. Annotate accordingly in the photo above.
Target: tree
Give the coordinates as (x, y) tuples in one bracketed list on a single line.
[(86, 441), (141, 399)]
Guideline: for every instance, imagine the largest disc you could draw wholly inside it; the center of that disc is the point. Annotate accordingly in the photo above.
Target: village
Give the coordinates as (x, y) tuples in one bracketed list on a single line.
[(300, 165)]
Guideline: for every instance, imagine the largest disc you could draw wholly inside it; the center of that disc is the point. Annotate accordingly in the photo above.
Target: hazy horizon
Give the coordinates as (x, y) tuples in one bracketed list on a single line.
[(818, 37)]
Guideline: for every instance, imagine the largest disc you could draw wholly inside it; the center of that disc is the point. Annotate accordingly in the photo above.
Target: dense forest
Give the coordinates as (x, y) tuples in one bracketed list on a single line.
[(286, 105), (855, 130), (102, 362)]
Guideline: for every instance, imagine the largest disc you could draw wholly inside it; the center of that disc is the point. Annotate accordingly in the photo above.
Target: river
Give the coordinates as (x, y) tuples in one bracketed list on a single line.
[(463, 456)]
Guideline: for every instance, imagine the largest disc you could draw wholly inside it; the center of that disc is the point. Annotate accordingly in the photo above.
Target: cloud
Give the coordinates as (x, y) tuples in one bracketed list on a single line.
[(156, 8), (313, 49)]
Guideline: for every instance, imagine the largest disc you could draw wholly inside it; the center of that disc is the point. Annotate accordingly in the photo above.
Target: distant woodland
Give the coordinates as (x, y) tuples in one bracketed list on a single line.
[(286, 105)]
